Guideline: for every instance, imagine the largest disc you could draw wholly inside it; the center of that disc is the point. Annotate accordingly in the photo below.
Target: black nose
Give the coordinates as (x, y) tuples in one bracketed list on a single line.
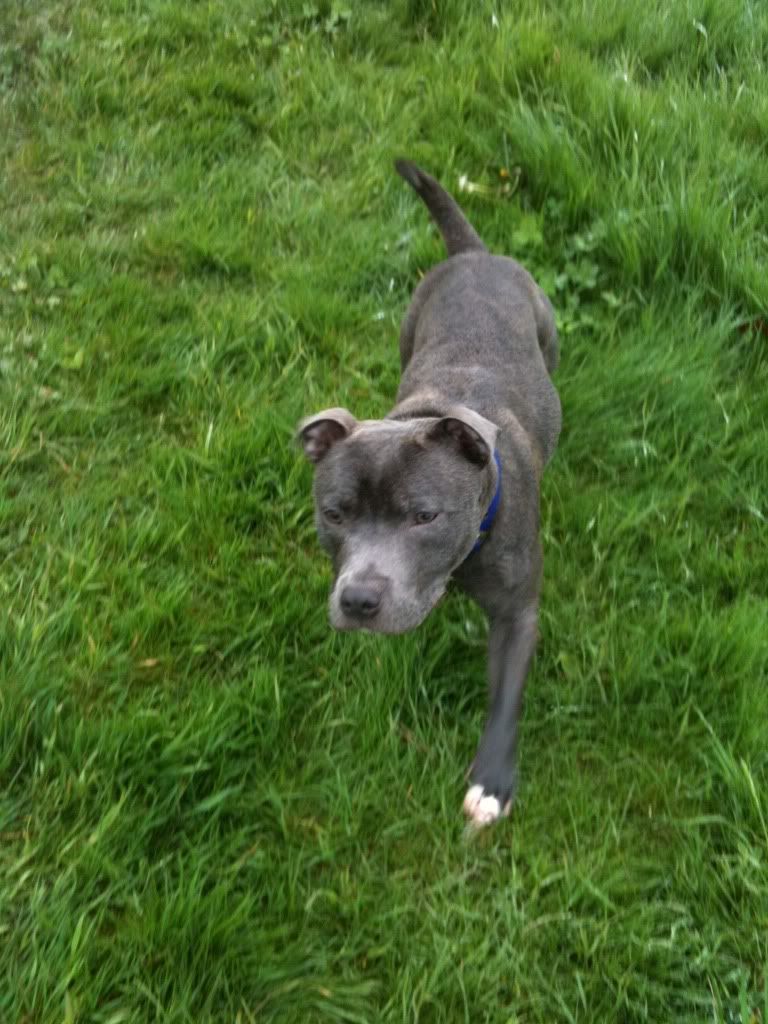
[(361, 600)]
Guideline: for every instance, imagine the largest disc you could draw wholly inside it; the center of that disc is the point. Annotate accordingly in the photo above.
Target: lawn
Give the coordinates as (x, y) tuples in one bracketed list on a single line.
[(214, 809)]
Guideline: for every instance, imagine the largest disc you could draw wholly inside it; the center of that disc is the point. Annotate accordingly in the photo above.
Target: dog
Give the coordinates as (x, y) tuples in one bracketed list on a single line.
[(446, 486)]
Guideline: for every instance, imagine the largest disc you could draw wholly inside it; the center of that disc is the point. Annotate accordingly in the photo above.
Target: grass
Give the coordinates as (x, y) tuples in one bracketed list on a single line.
[(211, 807)]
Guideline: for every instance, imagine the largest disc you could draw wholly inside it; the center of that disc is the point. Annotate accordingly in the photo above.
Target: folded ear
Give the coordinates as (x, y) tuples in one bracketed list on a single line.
[(320, 432), (472, 435)]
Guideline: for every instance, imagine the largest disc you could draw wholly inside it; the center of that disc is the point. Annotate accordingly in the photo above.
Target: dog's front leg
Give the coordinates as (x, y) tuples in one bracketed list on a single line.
[(511, 644)]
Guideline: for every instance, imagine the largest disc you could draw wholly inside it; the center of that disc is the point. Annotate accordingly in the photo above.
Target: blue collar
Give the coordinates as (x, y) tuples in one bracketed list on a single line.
[(493, 508)]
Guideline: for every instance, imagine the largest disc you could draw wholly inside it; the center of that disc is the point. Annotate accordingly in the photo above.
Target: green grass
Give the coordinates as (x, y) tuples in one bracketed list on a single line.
[(211, 807)]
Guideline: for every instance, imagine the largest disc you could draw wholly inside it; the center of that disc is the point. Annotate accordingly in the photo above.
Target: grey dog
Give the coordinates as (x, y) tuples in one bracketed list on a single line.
[(447, 484)]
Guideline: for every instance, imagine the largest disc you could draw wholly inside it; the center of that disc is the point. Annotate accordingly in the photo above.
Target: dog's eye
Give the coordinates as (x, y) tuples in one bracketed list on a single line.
[(332, 515), (422, 518)]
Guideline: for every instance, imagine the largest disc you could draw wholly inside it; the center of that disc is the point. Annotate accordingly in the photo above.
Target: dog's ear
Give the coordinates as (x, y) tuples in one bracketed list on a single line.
[(320, 432), (472, 435)]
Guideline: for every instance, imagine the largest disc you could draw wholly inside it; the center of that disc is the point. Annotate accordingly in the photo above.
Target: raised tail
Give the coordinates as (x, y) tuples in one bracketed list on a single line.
[(457, 232)]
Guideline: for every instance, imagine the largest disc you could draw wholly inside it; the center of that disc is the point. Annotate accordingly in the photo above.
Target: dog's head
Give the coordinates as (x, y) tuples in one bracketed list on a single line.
[(398, 506)]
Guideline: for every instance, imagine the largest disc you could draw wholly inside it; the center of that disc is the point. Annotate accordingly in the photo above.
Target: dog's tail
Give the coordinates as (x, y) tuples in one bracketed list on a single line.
[(457, 232)]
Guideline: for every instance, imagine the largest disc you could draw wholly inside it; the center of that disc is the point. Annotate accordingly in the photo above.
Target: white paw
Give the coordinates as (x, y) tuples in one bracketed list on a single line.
[(483, 809)]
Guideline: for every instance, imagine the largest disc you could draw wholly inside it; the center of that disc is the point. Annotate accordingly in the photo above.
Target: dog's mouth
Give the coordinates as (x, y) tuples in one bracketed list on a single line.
[(394, 614)]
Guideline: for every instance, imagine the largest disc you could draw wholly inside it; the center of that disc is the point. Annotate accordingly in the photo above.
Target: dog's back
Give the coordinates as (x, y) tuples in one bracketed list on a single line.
[(479, 329)]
